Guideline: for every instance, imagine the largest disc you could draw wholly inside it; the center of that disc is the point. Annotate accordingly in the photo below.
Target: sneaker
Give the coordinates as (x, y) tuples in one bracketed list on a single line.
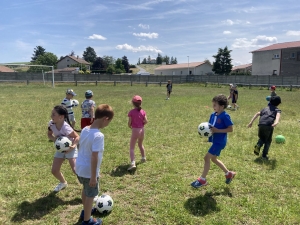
[(60, 186), (93, 221), (199, 183), (265, 158), (143, 160), (132, 167), (229, 177), (256, 150), (81, 217)]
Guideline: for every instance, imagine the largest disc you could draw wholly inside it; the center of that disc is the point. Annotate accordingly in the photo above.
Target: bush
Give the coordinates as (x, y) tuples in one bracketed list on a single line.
[(81, 72)]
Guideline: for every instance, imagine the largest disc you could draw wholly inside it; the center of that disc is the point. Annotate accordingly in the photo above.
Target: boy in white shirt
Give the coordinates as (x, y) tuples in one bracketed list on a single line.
[(89, 160), (69, 104)]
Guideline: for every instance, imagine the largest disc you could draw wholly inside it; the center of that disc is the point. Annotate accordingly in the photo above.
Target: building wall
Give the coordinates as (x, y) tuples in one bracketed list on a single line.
[(290, 62), (199, 70), (66, 62), (264, 62)]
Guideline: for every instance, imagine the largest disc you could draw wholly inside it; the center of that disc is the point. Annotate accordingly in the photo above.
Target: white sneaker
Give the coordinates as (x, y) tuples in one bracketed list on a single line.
[(132, 167), (60, 186), (143, 160)]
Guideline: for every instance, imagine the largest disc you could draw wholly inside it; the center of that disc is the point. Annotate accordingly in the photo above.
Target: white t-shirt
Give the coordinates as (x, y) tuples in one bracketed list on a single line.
[(91, 140), (65, 130), (68, 103)]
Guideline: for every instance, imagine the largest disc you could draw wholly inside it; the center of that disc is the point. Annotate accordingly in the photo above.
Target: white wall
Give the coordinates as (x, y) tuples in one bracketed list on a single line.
[(199, 70), (264, 63)]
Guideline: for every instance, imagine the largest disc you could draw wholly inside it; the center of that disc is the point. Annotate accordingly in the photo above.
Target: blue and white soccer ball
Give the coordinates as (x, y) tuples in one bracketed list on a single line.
[(104, 204), (62, 144), (75, 102), (204, 129)]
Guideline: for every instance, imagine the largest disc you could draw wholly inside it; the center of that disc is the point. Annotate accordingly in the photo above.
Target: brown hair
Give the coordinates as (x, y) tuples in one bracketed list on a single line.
[(104, 110), (137, 105), (221, 100), (63, 111)]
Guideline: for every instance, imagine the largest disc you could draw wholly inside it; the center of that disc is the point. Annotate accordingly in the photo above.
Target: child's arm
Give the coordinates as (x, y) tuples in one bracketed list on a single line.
[(145, 120), (50, 135), (276, 120), (75, 136), (129, 122), (94, 161), (92, 113), (254, 117), (226, 130)]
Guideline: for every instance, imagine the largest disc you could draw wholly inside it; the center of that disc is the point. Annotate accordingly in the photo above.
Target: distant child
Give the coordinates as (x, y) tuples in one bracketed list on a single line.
[(169, 89), (87, 108), (234, 94), (221, 125), (89, 161), (58, 126), (273, 93), (68, 103), (269, 118), (137, 118)]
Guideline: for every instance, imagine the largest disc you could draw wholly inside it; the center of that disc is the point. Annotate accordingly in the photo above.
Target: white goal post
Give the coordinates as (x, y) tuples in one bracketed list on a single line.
[(52, 67)]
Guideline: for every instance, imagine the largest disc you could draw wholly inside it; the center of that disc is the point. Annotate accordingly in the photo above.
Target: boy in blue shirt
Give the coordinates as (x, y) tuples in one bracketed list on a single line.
[(221, 125)]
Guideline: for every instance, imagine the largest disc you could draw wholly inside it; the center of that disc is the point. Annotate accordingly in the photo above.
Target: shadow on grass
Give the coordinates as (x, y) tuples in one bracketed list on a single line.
[(270, 163), (40, 207), (119, 171)]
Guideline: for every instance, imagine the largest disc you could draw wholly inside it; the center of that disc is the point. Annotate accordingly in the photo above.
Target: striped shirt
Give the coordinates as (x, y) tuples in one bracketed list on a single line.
[(69, 104)]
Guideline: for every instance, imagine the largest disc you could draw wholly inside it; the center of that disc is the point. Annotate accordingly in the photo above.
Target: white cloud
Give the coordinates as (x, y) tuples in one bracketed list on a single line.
[(231, 22), (144, 26), (259, 41), (141, 48), (293, 33), (97, 37), (148, 35), (226, 32), (228, 22)]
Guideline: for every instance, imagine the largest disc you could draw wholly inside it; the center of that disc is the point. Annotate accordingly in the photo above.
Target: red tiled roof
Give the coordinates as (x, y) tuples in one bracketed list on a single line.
[(293, 44), (5, 69), (79, 60), (179, 66), (242, 66)]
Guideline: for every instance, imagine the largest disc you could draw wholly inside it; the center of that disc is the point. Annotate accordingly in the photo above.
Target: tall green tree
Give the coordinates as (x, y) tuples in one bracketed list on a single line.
[(139, 62), (109, 60), (119, 66), (166, 59), (175, 61), (149, 59), (158, 59), (89, 55), (72, 53), (144, 61), (125, 63), (38, 50), (47, 59), (222, 64), (99, 64)]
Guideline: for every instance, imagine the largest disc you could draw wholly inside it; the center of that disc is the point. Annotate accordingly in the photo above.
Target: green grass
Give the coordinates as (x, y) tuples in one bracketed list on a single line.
[(159, 191)]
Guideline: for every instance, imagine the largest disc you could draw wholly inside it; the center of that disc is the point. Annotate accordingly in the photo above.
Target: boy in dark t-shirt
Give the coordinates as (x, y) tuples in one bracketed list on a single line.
[(269, 118)]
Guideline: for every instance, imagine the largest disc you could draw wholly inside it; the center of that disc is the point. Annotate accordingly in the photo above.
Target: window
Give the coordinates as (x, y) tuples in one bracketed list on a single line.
[(293, 55), (67, 65), (276, 56), (67, 60)]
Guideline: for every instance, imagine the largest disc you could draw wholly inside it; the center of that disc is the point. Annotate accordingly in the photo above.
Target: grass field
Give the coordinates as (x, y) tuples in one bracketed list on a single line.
[(159, 191)]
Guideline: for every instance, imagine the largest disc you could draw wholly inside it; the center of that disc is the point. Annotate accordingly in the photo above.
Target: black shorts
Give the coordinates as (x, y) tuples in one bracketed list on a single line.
[(169, 92)]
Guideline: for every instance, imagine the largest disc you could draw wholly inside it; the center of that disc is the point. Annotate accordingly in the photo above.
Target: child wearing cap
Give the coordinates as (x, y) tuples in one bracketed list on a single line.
[(137, 118), (69, 104), (87, 108), (268, 119), (273, 93)]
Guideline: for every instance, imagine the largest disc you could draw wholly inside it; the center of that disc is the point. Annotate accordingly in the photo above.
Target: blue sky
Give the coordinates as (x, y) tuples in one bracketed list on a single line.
[(137, 29)]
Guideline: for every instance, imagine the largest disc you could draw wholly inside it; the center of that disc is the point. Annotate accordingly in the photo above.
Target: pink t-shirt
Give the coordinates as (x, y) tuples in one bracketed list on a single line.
[(65, 130), (137, 118)]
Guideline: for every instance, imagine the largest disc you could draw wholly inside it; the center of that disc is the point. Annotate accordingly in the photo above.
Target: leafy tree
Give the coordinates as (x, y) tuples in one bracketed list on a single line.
[(166, 59), (38, 50), (139, 62), (72, 53), (61, 57), (175, 61), (110, 69), (144, 61), (109, 60), (99, 64), (149, 59), (125, 63), (172, 60), (119, 66), (222, 65), (207, 61), (89, 55), (47, 59), (159, 59)]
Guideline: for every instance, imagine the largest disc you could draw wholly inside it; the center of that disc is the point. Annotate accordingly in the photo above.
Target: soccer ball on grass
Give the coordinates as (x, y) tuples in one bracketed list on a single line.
[(62, 144), (104, 204), (204, 129)]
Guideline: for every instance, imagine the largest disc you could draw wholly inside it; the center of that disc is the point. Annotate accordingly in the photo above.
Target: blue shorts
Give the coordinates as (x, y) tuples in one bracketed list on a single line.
[(89, 191), (216, 148)]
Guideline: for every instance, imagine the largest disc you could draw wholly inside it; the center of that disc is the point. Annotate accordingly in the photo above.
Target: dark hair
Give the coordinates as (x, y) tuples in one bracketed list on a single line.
[(104, 110), (221, 100), (62, 110), (137, 105), (275, 100)]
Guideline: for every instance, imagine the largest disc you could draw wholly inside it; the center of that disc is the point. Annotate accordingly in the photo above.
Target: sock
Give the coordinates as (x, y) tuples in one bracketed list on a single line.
[(132, 162), (201, 178)]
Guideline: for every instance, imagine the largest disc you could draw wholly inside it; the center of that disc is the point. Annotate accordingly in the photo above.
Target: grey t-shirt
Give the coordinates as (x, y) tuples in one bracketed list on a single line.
[(268, 115)]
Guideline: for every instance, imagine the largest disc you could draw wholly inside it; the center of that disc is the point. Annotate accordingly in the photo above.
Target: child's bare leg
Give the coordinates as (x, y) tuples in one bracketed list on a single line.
[(206, 168), (219, 163)]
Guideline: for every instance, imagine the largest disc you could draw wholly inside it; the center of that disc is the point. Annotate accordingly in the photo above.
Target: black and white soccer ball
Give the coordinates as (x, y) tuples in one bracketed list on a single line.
[(75, 102), (62, 144), (204, 129), (104, 204)]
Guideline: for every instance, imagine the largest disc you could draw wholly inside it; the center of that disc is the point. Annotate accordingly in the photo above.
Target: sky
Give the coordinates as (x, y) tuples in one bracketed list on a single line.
[(190, 30)]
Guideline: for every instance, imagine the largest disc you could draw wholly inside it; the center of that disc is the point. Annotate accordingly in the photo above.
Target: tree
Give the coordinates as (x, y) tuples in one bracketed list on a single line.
[(144, 61), (125, 63), (149, 59), (38, 50), (139, 62), (159, 59), (175, 61), (119, 66), (172, 60), (47, 59), (72, 53), (222, 65), (99, 64), (89, 55), (81, 66), (110, 69), (166, 59), (109, 60)]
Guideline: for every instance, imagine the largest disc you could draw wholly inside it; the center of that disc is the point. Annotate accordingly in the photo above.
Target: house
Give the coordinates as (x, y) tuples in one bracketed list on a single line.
[(152, 61), (73, 70), (192, 68), (277, 59), (68, 60), (5, 69), (246, 68)]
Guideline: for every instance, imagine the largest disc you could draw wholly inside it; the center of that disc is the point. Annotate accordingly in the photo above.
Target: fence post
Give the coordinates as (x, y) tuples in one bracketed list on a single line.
[(27, 82), (146, 83), (131, 82), (115, 83), (160, 83), (75, 82), (96, 83), (249, 86), (291, 87), (269, 81)]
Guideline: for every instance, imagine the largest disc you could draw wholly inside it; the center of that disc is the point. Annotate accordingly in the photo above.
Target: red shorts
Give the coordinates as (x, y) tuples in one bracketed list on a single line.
[(86, 122)]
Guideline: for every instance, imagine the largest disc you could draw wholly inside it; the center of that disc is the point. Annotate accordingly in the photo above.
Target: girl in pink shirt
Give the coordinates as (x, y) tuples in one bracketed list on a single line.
[(136, 120)]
